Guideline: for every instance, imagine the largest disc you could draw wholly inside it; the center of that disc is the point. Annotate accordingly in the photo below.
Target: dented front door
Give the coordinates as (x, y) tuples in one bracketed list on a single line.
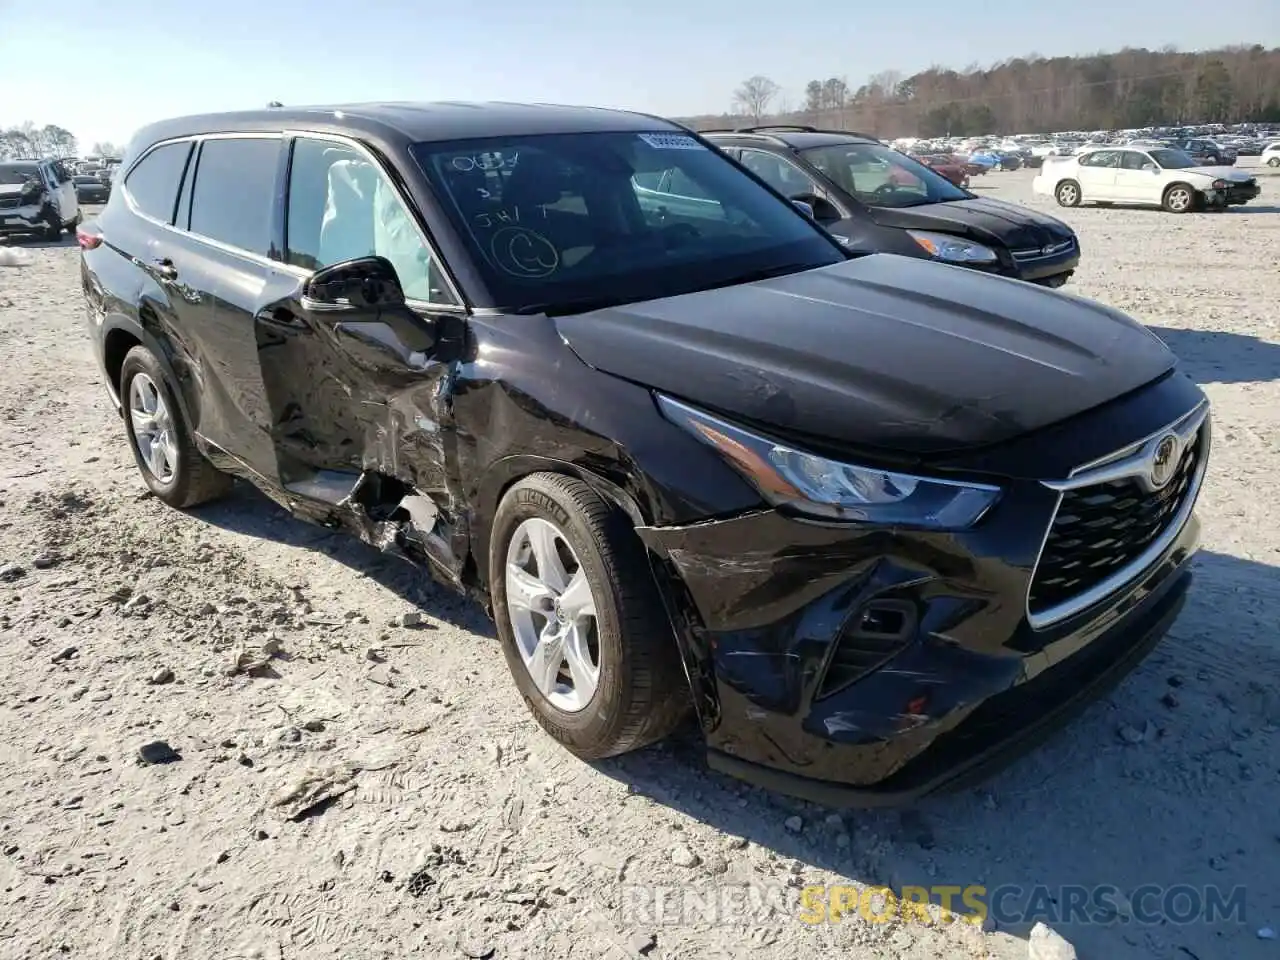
[(356, 392)]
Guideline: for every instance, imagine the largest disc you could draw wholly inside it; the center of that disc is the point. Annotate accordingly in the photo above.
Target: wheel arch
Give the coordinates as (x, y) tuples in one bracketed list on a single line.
[(120, 334), (506, 473), (678, 606)]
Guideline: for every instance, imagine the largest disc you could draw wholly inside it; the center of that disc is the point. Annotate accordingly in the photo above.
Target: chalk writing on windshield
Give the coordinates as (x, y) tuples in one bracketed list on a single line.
[(523, 253)]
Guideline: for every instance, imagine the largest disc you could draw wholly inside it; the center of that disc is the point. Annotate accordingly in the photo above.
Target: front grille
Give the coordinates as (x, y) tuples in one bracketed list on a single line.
[(1100, 529), (1036, 253)]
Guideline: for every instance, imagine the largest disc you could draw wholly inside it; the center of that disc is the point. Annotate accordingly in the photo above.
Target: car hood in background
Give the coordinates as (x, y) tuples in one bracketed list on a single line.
[(882, 352), (988, 221), (1219, 173)]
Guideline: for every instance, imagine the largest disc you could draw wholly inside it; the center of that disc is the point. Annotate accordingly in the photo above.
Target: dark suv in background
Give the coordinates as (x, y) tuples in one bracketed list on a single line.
[(878, 520), (1207, 152), (876, 199)]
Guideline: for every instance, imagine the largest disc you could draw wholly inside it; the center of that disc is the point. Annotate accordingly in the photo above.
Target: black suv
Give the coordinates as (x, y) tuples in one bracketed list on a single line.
[(875, 199), (1207, 152), (875, 519)]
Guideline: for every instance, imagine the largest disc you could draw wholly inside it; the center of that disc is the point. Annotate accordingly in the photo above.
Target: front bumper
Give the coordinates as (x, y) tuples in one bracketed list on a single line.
[(1235, 195), (30, 218), (957, 684)]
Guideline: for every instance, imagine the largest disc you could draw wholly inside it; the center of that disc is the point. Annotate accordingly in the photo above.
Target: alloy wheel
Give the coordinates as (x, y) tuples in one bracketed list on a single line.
[(153, 430), (1179, 199), (1067, 194), (553, 614)]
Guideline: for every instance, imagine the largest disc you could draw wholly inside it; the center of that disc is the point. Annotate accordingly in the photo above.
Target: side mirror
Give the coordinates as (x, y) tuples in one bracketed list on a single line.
[(803, 207), (823, 211), (363, 284)]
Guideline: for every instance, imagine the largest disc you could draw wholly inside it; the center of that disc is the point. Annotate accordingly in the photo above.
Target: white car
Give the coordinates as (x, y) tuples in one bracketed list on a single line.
[(1271, 155), (1153, 176), (37, 196)]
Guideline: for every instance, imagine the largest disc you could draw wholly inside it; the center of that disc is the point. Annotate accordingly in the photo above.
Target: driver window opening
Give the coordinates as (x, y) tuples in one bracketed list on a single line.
[(341, 207)]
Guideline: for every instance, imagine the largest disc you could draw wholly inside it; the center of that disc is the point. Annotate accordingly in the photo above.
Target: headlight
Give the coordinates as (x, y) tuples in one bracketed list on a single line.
[(1219, 184), (814, 485), (951, 249)]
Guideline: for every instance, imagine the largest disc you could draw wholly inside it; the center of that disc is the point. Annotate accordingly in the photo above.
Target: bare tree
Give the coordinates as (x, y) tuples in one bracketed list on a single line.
[(754, 96)]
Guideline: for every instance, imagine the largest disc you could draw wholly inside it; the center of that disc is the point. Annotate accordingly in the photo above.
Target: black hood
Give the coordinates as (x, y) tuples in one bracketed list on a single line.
[(987, 221), (882, 352)]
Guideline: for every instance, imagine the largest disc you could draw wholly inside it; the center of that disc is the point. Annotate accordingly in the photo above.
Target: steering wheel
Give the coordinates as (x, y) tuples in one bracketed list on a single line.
[(885, 190)]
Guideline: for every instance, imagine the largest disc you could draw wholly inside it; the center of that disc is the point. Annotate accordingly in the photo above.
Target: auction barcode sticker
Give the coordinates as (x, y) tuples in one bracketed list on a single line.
[(670, 141)]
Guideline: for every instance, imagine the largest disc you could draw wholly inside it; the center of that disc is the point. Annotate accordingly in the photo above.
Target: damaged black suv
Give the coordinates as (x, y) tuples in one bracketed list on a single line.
[(876, 520)]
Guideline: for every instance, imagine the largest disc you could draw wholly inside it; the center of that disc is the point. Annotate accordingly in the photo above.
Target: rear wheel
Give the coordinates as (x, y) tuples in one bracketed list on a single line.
[(1068, 194), (1180, 198), (171, 465), (1274, 162), (580, 619)]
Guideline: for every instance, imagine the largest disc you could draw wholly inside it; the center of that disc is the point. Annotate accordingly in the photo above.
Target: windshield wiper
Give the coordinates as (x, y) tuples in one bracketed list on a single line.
[(563, 308)]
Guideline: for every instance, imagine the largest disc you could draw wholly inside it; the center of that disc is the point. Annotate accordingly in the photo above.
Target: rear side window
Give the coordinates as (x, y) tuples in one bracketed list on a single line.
[(231, 201), (153, 183)]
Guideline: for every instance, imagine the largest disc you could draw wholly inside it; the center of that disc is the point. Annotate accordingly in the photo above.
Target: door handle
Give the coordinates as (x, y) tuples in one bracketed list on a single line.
[(164, 268)]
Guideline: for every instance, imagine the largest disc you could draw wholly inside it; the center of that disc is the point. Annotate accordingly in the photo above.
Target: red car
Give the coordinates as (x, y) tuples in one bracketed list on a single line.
[(954, 170)]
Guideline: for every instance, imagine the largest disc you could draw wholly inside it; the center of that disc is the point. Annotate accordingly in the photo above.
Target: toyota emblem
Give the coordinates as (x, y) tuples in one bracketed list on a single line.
[(1164, 460)]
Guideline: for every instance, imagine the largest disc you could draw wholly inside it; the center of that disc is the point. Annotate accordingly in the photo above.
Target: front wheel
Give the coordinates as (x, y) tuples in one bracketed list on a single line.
[(580, 619), (171, 465), (1274, 162), (1180, 198), (1068, 194)]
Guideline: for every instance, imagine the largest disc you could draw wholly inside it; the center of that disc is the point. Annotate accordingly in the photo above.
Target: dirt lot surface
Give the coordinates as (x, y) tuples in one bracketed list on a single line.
[(454, 827)]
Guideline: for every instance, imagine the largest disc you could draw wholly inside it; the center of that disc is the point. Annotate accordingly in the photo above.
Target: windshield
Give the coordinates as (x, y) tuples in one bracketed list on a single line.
[(881, 177), (12, 174), (1171, 159), (559, 219)]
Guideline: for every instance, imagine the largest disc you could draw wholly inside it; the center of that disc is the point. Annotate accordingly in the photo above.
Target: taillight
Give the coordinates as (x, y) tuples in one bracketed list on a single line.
[(88, 240)]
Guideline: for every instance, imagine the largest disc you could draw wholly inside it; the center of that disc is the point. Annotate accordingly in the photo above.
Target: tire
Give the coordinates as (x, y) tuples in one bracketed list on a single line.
[(190, 479), (1179, 198), (75, 223), (1274, 162), (640, 693), (53, 225), (1067, 194)]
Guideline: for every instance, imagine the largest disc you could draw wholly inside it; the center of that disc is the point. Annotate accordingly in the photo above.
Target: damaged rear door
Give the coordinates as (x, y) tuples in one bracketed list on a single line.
[(359, 386)]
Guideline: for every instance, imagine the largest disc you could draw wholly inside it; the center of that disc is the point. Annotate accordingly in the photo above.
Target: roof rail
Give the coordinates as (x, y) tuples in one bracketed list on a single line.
[(802, 128)]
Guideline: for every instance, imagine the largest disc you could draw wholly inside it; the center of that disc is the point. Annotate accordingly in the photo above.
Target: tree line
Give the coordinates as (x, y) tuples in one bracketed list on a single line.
[(27, 141), (1033, 94)]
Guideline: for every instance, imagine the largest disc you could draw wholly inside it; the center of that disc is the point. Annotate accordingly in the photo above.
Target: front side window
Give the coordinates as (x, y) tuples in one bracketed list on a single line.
[(881, 177), (153, 183), (342, 207), (559, 218), (785, 177), (231, 200), (1133, 160)]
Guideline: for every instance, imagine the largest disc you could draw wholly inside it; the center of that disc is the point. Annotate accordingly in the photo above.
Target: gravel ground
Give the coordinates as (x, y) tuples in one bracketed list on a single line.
[(449, 826)]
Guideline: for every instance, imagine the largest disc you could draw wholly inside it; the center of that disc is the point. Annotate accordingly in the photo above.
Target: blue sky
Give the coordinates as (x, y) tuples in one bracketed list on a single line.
[(102, 69)]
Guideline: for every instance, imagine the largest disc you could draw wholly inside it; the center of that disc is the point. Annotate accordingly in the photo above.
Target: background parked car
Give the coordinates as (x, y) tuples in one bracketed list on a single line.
[(877, 199), (1271, 154), (1207, 153), (1157, 177), (37, 196), (947, 166), (91, 189)]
